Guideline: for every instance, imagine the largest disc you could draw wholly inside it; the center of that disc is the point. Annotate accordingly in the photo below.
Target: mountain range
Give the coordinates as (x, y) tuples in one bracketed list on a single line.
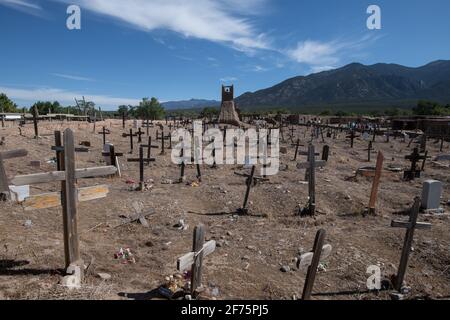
[(357, 84)]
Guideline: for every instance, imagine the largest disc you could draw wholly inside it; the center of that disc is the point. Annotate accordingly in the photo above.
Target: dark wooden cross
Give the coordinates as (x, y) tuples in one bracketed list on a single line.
[(352, 135), (104, 132), (69, 196), (131, 135), (311, 165), (297, 145), (141, 161), (113, 156), (193, 260), (312, 260), (4, 184), (291, 134), (410, 227), (414, 172), (139, 134), (423, 143), (149, 147)]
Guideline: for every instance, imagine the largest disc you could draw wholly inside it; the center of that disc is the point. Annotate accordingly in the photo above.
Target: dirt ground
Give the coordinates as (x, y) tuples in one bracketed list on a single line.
[(251, 249)]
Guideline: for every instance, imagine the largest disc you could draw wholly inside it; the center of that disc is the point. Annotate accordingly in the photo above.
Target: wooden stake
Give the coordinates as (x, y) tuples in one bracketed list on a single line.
[(312, 269), (376, 183)]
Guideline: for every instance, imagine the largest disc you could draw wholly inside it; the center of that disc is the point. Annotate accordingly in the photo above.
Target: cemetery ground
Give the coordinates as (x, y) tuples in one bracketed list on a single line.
[(251, 249)]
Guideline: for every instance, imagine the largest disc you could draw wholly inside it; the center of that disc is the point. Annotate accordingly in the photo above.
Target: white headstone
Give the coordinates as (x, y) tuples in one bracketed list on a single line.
[(19, 193), (135, 123), (431, 194)]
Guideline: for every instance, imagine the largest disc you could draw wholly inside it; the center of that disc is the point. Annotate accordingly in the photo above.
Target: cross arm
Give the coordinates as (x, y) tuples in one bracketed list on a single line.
[(186, 261), (54, 176), (306, 165), (408, 225), (13, 154)]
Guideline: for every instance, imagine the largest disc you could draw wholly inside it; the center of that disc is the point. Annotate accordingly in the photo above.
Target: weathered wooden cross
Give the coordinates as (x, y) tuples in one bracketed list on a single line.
[(139, 215), (69, 195), (249, 182), (369, 151), (311, 165), (194, 260), (113, 156), (139, 135), (149, 147), (58, 147), (4, 184), (410, 227)]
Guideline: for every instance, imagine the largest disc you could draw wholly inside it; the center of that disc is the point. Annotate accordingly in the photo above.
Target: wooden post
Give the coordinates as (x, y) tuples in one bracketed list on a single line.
[(35, 122), (376, 183), (410, 226), (369, 151), (312, 269), (69, 202), (325, 152), (296, 149), (312, 181), (196, 272)]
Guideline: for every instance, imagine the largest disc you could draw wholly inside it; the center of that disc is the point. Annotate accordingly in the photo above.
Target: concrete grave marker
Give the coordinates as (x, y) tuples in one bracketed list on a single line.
[(431, 194)]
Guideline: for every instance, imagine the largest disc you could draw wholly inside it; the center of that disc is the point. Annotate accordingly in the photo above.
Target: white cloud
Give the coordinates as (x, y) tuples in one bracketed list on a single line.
[(65, 97), (71, 77), (228, 79), (314, 52), (20, 3), (323, 56), (222, 21)]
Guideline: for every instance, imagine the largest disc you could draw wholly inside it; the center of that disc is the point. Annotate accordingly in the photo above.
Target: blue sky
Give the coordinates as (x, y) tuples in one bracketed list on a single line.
[(182, 49)]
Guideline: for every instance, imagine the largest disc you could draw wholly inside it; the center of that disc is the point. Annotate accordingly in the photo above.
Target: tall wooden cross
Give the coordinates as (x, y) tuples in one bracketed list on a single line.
[(376, 183), (311, 165), (194, 260), (4, 184), (410, 227), (104, 132), (141, 161), (69, 195)]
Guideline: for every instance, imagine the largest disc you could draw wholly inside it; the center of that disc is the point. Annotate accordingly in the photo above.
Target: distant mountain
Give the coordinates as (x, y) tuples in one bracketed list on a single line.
[(378, 84), (190, 104)]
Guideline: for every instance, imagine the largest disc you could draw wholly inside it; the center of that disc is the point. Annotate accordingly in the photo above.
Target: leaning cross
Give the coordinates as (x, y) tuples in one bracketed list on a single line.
[(312, 261), (410, 227), (69, 195), (114, 157), (249, 182), (194, 260), (6, 155)]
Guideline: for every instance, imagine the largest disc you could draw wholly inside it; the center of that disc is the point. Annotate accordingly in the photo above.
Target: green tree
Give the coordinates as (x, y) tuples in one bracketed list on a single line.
[(209, 112), (123, 109), (150, 109), (48, 107), (7, 105)]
